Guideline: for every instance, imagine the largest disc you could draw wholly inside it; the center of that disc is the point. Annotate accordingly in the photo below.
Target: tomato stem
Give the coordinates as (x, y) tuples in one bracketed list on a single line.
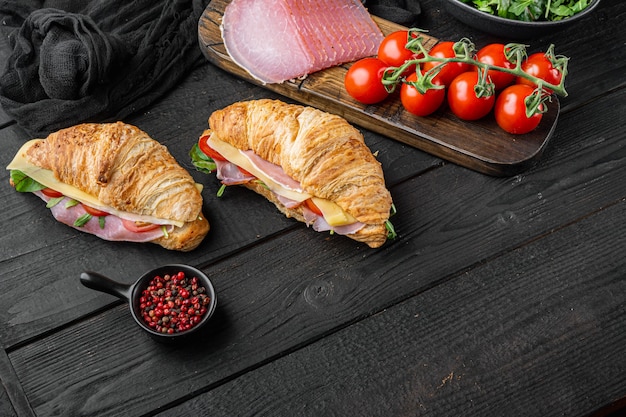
[(464, 51)]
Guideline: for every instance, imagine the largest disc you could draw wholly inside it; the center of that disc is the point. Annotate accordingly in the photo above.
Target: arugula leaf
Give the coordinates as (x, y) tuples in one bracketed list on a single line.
[(202, 162), (530, 10), (23, 183), (82, 220), (54, 201)]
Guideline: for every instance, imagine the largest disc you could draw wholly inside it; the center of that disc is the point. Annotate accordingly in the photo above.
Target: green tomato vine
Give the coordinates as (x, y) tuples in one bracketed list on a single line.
[(464, 50)]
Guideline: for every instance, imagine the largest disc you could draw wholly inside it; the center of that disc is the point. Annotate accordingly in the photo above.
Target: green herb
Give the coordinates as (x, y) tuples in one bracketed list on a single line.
[(202, 162), (391, 230), (23, 183), (82, 220), (54, 201), (220, 191), (101, 221), (530, 10), (71, 203), (164, 230)]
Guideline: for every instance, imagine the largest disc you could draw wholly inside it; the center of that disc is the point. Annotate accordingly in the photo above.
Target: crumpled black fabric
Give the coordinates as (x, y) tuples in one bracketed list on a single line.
[(403, 12), (73, 61)]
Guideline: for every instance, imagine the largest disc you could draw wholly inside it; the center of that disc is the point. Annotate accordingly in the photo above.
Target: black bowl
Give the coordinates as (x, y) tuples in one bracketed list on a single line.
[(133, 292), (509, 28)]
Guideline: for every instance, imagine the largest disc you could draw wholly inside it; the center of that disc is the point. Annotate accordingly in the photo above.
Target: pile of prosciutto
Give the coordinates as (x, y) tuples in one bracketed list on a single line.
[(279, 40)]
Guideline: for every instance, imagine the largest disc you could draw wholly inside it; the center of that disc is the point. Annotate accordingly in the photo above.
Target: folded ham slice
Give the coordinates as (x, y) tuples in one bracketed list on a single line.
[(278, 40)]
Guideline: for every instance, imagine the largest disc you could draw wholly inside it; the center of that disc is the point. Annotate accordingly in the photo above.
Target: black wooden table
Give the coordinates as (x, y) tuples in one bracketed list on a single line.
[(501, 295)]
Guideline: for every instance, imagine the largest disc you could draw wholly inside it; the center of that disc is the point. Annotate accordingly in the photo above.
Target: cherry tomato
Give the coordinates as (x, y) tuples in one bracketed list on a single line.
[(392, 50), (363, 81), (421, 104), (94, 211), (510, 110), (539, 65), (462, 98), (493, 54), (451, 69), (49, 192), (203, 144), (138, 227), (311, 206)]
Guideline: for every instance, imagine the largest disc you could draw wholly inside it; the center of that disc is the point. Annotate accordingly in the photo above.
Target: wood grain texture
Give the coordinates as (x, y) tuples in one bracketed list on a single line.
[(269, 298), (501, 296), (481, 146), (476, 341), (239, 219)]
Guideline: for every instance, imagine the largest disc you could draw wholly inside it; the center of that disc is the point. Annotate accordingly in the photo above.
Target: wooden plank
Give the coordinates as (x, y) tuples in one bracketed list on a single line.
[(51, 255), (481, 145), (537, 332), (282, 296)]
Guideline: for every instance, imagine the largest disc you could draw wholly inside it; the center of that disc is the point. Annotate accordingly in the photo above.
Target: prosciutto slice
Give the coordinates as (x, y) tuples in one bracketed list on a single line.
[(278, 40)]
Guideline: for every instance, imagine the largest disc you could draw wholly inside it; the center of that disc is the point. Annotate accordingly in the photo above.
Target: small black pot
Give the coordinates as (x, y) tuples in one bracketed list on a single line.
[(132, 293)]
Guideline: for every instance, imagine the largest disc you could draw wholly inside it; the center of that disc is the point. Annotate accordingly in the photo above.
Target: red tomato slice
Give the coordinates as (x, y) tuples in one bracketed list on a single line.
[(208, 151), (139, 227), (94, 211), (49, 192), (311, 206)]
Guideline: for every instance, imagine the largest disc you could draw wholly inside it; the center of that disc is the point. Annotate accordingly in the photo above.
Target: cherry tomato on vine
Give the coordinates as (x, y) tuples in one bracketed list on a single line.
[(510, 110), (539, 65), (363, 81), (392, 50), (94, 211), (421, 104), (493, 54), (203, 144), (462, 98), (450, 69), (49, 192)]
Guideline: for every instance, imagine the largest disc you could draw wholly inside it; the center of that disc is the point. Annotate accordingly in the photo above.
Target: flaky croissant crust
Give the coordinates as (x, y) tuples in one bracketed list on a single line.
[(121, 166), (322, 151)]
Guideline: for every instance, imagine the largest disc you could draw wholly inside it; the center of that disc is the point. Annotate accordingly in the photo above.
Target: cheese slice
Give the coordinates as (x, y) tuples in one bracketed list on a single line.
[(333, 214), (46, 177)]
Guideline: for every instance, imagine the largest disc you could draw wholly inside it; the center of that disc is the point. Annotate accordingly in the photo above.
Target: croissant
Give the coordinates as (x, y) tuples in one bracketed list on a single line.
[(321, 151), (126, 170)]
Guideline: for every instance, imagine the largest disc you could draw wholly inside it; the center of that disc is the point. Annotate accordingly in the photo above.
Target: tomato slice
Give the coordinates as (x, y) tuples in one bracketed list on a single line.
[(203, 144), (139, 227), (49, 192), (94, 211), (311, 206)]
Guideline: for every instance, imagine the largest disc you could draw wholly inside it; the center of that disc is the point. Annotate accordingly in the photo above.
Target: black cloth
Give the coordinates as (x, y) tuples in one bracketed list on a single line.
[(403, 12), (73, 61)]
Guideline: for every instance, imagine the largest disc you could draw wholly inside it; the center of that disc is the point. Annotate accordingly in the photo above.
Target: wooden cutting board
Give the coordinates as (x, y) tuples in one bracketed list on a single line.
[(481, 145)]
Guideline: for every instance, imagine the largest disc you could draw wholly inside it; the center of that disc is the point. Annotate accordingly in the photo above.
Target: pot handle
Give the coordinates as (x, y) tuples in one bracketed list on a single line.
[(99, 282)]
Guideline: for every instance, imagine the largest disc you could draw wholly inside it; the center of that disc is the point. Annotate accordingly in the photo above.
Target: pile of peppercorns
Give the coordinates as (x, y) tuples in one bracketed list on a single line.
[(173, 303)]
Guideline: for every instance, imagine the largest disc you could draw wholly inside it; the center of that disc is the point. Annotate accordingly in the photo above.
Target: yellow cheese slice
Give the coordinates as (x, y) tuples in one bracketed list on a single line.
[(333, 214), (47, 178)]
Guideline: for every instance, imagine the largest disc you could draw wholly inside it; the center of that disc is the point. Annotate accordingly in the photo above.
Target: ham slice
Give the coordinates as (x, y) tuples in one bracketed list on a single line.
[(278, 40), (113, 229)]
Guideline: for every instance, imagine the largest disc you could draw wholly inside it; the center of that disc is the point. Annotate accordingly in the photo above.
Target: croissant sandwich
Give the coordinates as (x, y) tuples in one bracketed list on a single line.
[(112, 180), (314, 166)]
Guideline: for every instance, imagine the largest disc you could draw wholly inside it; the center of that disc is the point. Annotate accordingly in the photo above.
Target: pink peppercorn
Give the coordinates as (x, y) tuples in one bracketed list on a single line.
[(166, 306)]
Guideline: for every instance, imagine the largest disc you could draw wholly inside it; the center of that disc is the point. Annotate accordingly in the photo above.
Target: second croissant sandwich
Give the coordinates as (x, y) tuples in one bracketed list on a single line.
[(112, 180), (314, 166)]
